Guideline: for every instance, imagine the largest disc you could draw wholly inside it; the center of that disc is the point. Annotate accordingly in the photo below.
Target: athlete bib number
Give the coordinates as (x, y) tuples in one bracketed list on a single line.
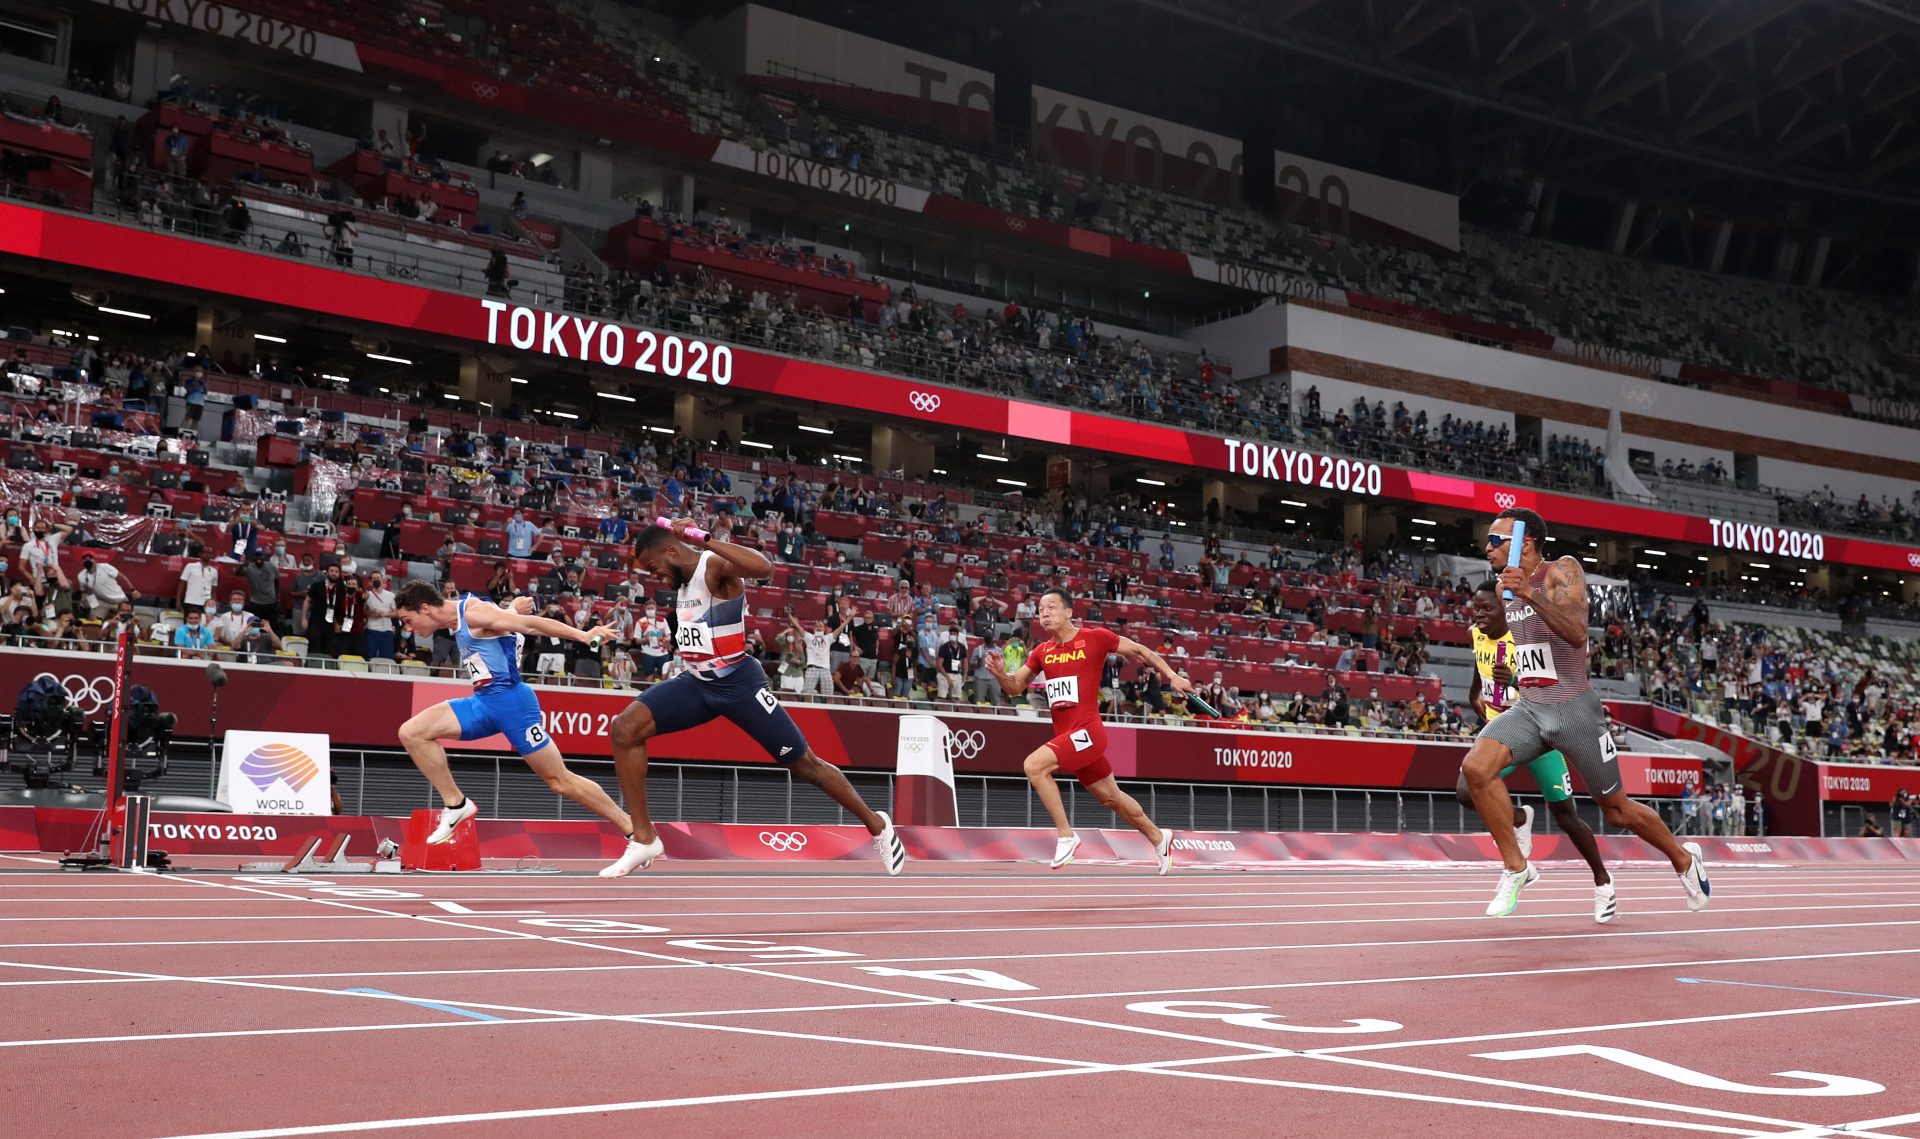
[(477, 671), (1607, 748), (694, 639), (1063, 692), (1533, 666)]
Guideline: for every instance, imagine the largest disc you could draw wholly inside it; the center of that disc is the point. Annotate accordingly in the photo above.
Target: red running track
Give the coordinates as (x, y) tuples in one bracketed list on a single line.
[(992, 1000)]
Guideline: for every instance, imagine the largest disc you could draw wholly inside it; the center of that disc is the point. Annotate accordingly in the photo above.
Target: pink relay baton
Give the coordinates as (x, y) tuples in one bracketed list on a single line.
[(693, 532)]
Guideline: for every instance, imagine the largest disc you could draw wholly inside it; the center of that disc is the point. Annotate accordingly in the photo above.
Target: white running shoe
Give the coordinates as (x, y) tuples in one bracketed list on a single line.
[(1604, 905), (1699, 890), (1523, 831), (1063, 848), (1508, 895), (1164, 851), (451, 817), (637, 856), (893, 852)]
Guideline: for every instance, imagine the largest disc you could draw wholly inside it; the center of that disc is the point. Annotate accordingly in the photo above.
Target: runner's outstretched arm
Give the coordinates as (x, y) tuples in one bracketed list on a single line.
[(1135, 651)]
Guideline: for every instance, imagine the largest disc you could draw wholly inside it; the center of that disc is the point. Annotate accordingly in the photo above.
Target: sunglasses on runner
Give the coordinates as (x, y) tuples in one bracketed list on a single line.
[(1495, 541)]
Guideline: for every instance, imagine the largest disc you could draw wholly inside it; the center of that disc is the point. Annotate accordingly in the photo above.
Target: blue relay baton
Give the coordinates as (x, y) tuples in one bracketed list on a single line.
[(1513, 551)]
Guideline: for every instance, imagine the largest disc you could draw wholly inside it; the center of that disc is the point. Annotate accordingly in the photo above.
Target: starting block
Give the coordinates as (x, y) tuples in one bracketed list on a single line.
[(335, 861)]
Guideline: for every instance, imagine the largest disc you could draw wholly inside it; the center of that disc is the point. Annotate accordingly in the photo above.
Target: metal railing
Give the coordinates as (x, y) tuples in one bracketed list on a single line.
[(380, 782)]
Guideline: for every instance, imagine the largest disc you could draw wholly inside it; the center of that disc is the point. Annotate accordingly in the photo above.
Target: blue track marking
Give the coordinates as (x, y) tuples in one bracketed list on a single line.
[(1790, 988), (454, 1009)]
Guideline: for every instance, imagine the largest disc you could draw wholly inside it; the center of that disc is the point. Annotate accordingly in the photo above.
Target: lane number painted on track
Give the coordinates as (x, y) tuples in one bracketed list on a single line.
[(763, 950), (1828, 1085), (1256, 1016), (979, 978), (593, 925)]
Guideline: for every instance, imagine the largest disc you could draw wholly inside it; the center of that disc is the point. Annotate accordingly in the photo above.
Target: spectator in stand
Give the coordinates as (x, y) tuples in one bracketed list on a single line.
[(901, 603), (263, 588), (817, 645), (198, 582), (952, 677), (613, 528), (233, 625), (520, 535), (900, 668), (194, 639), (378, 603), (102, 588), (850, 679), (321, 611)]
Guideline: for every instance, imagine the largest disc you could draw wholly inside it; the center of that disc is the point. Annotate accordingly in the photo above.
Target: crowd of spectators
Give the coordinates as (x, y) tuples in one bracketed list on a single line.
[(1816, 694)]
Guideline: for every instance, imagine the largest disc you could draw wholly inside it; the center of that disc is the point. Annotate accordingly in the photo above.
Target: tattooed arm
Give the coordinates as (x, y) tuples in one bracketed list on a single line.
[(1561, 600)]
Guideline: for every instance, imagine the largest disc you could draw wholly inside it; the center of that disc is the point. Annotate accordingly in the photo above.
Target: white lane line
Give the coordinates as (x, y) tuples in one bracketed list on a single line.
[(920, 912), (514, 935), (1467, 893), (1846, 1129), (1547, 972), (998, 1006), (1520, 1085), (1179, 1068), (1586, 915), (641, 1105), (1585, 1028), (331, 1029), (1495, 1105), (244, 941)]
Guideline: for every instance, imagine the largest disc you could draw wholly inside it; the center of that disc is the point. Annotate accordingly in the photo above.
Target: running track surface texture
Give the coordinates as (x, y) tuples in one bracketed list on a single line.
[(987, 1000)]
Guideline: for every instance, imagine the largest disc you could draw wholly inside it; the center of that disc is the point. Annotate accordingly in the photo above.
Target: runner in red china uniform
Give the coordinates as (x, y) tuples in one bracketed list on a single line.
[(1070, 661)]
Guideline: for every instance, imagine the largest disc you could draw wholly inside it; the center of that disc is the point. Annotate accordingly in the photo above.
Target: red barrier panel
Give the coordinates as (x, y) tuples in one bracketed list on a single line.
[(500, 839), (279, 698)]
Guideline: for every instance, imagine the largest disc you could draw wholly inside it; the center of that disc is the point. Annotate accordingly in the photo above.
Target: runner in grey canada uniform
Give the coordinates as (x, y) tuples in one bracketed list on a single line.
[(1557, 709)]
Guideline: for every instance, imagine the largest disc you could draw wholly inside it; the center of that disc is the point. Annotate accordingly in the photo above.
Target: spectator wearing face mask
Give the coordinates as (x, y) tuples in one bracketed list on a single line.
[(243, 538), (520, 536), (377, 600), (655, 638), (40, 560), (194, 639)]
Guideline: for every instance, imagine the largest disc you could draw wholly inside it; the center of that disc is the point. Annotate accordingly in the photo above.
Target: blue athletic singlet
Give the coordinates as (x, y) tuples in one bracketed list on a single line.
[(500, 704), (491, 663)]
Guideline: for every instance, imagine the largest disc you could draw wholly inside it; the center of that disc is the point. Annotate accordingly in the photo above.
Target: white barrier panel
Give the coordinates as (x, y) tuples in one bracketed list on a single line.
[(276, 773)]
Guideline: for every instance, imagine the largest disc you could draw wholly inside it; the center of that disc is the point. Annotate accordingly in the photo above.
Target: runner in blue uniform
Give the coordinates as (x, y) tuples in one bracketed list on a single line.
[(488, 639), (722, 680)]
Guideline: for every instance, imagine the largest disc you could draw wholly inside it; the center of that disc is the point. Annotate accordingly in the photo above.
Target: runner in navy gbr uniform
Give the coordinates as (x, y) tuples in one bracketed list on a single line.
[(722, 679), (1556, 709)]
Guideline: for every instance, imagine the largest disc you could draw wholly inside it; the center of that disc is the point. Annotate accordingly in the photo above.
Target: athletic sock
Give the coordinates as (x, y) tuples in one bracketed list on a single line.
[(457, 806)]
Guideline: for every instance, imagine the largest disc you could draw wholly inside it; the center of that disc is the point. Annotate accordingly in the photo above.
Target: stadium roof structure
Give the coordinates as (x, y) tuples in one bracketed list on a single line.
[(1802, 110)]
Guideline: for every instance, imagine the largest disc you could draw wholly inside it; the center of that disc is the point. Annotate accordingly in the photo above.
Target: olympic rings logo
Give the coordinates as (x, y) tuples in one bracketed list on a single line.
[(88, 695), (485, 90), (1505, 501), (1017, 224), (783, 842), (927, 402), (1914, 560), (965, 745), (1637, 395)]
